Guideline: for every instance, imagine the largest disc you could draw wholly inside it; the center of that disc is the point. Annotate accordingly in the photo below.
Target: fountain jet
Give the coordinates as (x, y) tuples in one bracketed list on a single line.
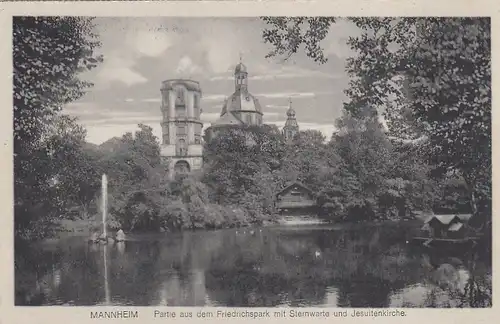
[(104, 186)]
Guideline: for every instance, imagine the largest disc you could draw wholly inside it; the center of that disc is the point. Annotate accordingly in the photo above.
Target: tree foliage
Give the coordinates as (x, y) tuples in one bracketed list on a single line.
[(241, 167), (48, 54), (430, 77), (446, 66), (288, 34)]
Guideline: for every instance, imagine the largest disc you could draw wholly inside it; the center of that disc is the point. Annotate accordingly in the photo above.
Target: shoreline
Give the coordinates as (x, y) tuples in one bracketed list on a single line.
[(80, 228)]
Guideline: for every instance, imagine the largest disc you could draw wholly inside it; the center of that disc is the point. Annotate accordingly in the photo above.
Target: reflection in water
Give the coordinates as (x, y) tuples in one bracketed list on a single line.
[(120, 247), (106, 283), (325, 266)]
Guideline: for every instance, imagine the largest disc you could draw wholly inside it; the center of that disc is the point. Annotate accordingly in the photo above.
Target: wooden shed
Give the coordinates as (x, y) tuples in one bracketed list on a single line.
[(446, 226)]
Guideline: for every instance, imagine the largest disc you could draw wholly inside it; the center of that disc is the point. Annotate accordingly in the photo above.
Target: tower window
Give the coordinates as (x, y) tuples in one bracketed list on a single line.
[(181, 147), (196, 101), (180, 97), (248, 118)]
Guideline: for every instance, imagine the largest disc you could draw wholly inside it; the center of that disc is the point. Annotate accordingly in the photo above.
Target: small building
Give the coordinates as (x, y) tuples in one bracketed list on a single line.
[(447, 226), (296, 199)]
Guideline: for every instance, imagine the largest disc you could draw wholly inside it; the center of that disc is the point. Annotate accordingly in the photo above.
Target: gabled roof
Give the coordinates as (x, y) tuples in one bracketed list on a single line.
[(295, 183), (443, 219)]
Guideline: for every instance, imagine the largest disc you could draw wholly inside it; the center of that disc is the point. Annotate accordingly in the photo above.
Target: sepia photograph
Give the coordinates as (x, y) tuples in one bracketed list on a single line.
[(271, 161)]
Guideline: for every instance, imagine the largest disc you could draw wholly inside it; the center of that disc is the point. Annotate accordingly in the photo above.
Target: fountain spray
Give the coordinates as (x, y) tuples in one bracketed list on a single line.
[(104, 204)]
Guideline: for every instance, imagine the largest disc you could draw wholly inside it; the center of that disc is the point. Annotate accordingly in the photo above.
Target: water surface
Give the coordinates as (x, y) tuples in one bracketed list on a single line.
[(321, 266)]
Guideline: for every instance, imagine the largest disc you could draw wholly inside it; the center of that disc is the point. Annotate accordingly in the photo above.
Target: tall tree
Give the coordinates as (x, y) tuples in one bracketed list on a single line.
[(48, 54), (74, 167), (138, 183), (307, 158), (241, 165)]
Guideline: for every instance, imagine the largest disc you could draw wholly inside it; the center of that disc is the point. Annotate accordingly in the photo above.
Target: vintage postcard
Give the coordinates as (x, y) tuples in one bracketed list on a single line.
[(247, 161)]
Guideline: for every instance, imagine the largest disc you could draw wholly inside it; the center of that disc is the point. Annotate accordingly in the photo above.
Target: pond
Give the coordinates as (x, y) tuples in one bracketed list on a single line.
[(320, 266)]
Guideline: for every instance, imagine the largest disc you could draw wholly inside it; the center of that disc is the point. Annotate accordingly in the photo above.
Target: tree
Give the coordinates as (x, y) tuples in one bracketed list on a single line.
[(241, 167), (432, 79), (48, 54), (75, 168), (365, 152), (307, 159), (138, 183)]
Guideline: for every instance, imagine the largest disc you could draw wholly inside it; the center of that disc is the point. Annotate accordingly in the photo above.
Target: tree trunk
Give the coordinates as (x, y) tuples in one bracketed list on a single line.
[(478, 218), (475, 218), (473, 203)]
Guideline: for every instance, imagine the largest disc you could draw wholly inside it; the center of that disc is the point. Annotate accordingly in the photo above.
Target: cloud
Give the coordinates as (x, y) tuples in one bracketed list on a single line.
[(121, 119), (124, 75), (119, 69), (210, 117), (286, 95), (221, 55), (214, 97), (285, 72), (210, 97), (222, 97), (277, 107), (150, 43), (125, 41), (186, 67)]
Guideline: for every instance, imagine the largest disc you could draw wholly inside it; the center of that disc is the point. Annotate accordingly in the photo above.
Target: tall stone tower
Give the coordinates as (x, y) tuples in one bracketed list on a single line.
[(291, 127), (181, 147)]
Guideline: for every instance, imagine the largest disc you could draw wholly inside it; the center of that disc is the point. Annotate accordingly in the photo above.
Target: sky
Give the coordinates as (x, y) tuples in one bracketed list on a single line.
[(139, 53)]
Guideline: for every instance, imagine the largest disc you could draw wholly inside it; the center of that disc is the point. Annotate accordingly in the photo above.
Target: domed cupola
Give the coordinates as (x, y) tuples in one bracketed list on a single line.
[(291, 127), (240, 68), (241, 104)]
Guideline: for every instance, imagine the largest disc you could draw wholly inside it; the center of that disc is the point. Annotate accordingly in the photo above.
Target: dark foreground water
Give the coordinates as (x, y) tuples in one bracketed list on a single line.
[(343, 266)]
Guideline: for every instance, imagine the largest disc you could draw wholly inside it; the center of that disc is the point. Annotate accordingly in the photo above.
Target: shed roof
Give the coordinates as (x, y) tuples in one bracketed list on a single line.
[(443, 219), (294, 183)]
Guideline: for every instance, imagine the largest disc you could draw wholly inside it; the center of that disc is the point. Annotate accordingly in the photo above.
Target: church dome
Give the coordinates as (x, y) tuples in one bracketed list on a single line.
[(242, 101), (240, 68), (290, 112)]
